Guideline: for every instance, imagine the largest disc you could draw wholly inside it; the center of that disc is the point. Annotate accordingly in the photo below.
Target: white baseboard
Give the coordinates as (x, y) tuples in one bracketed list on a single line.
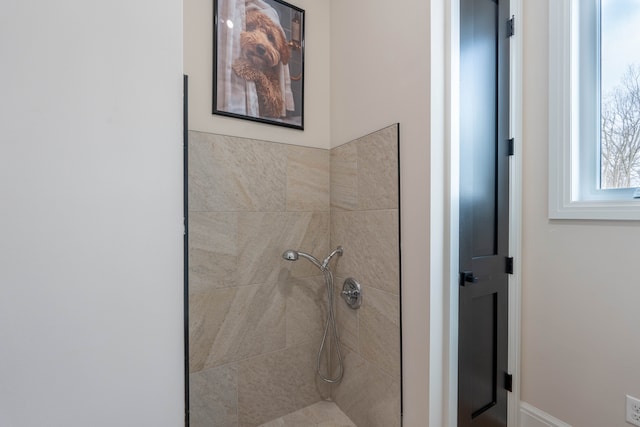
[(531, 416)]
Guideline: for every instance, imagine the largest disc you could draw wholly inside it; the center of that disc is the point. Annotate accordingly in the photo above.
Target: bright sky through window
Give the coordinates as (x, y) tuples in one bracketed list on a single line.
[(620, 40)]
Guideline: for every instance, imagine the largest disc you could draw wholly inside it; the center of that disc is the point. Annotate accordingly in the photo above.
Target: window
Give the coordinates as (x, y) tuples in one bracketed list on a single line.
[(594, 109)]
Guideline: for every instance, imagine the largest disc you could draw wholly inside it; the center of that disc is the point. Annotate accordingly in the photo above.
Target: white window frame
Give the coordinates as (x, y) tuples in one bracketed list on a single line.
[(574, 117)]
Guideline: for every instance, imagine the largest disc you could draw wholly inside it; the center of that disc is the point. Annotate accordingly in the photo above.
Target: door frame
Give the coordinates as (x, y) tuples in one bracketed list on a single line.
[(444, 301)]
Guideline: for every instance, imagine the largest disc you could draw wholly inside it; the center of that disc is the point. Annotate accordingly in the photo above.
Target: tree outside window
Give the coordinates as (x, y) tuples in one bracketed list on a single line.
[(620, 133)]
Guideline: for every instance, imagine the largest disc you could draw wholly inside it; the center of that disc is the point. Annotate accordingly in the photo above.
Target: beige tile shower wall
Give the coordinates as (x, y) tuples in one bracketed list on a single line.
[(365, 221), (255, 320)]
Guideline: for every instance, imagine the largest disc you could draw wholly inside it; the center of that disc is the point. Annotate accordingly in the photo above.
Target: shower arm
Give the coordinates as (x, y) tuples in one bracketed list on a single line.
[(326, 261)]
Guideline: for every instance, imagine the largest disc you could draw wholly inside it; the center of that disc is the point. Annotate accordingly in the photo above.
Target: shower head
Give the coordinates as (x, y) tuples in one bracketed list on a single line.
[(291, 255)]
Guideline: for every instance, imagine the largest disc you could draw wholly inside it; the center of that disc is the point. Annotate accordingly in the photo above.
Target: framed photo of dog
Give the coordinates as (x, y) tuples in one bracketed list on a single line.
[(258, 61)]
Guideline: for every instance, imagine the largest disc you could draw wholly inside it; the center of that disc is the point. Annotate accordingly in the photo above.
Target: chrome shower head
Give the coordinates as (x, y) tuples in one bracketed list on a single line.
[(291, 255)]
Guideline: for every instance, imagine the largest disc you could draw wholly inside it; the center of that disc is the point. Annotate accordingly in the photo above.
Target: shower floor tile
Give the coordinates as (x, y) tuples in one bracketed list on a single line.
[(321, 414)]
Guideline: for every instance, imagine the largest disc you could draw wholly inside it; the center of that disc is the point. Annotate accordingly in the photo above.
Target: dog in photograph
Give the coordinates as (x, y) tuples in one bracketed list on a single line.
[(263, 46)]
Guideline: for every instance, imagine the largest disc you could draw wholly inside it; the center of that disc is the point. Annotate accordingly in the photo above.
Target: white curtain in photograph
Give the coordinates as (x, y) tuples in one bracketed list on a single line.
[(234, 94)]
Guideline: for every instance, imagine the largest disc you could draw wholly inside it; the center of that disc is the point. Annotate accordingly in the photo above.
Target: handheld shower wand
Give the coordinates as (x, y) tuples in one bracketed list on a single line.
[(292, 255)]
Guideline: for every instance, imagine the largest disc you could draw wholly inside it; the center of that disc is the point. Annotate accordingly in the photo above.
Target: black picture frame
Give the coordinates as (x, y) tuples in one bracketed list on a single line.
[(258, 61)]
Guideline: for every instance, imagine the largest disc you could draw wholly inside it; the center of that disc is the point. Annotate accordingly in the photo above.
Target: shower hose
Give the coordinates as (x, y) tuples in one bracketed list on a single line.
[(330, 323)]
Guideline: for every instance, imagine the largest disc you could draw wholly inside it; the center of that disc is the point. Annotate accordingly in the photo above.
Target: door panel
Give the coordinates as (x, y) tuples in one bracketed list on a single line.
[(483, 351), (484, 215)]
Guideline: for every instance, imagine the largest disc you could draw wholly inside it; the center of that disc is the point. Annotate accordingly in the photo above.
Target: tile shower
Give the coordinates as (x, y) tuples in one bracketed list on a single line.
[(256, 320)]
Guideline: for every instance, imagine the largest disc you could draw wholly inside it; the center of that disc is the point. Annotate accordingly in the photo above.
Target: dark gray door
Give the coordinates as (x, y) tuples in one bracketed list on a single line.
[(484, 213)]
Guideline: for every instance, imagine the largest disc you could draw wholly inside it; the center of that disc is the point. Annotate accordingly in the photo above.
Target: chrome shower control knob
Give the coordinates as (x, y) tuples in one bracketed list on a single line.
[(352, 293)]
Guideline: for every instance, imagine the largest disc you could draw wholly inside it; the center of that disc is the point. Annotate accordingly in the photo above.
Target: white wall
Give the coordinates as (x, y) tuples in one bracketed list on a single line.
[(90, 224), (580, 340), (380, 73), (198, 63)]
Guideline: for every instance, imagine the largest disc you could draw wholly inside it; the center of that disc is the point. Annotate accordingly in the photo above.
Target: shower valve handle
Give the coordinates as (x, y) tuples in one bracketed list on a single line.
[(352, 293)]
